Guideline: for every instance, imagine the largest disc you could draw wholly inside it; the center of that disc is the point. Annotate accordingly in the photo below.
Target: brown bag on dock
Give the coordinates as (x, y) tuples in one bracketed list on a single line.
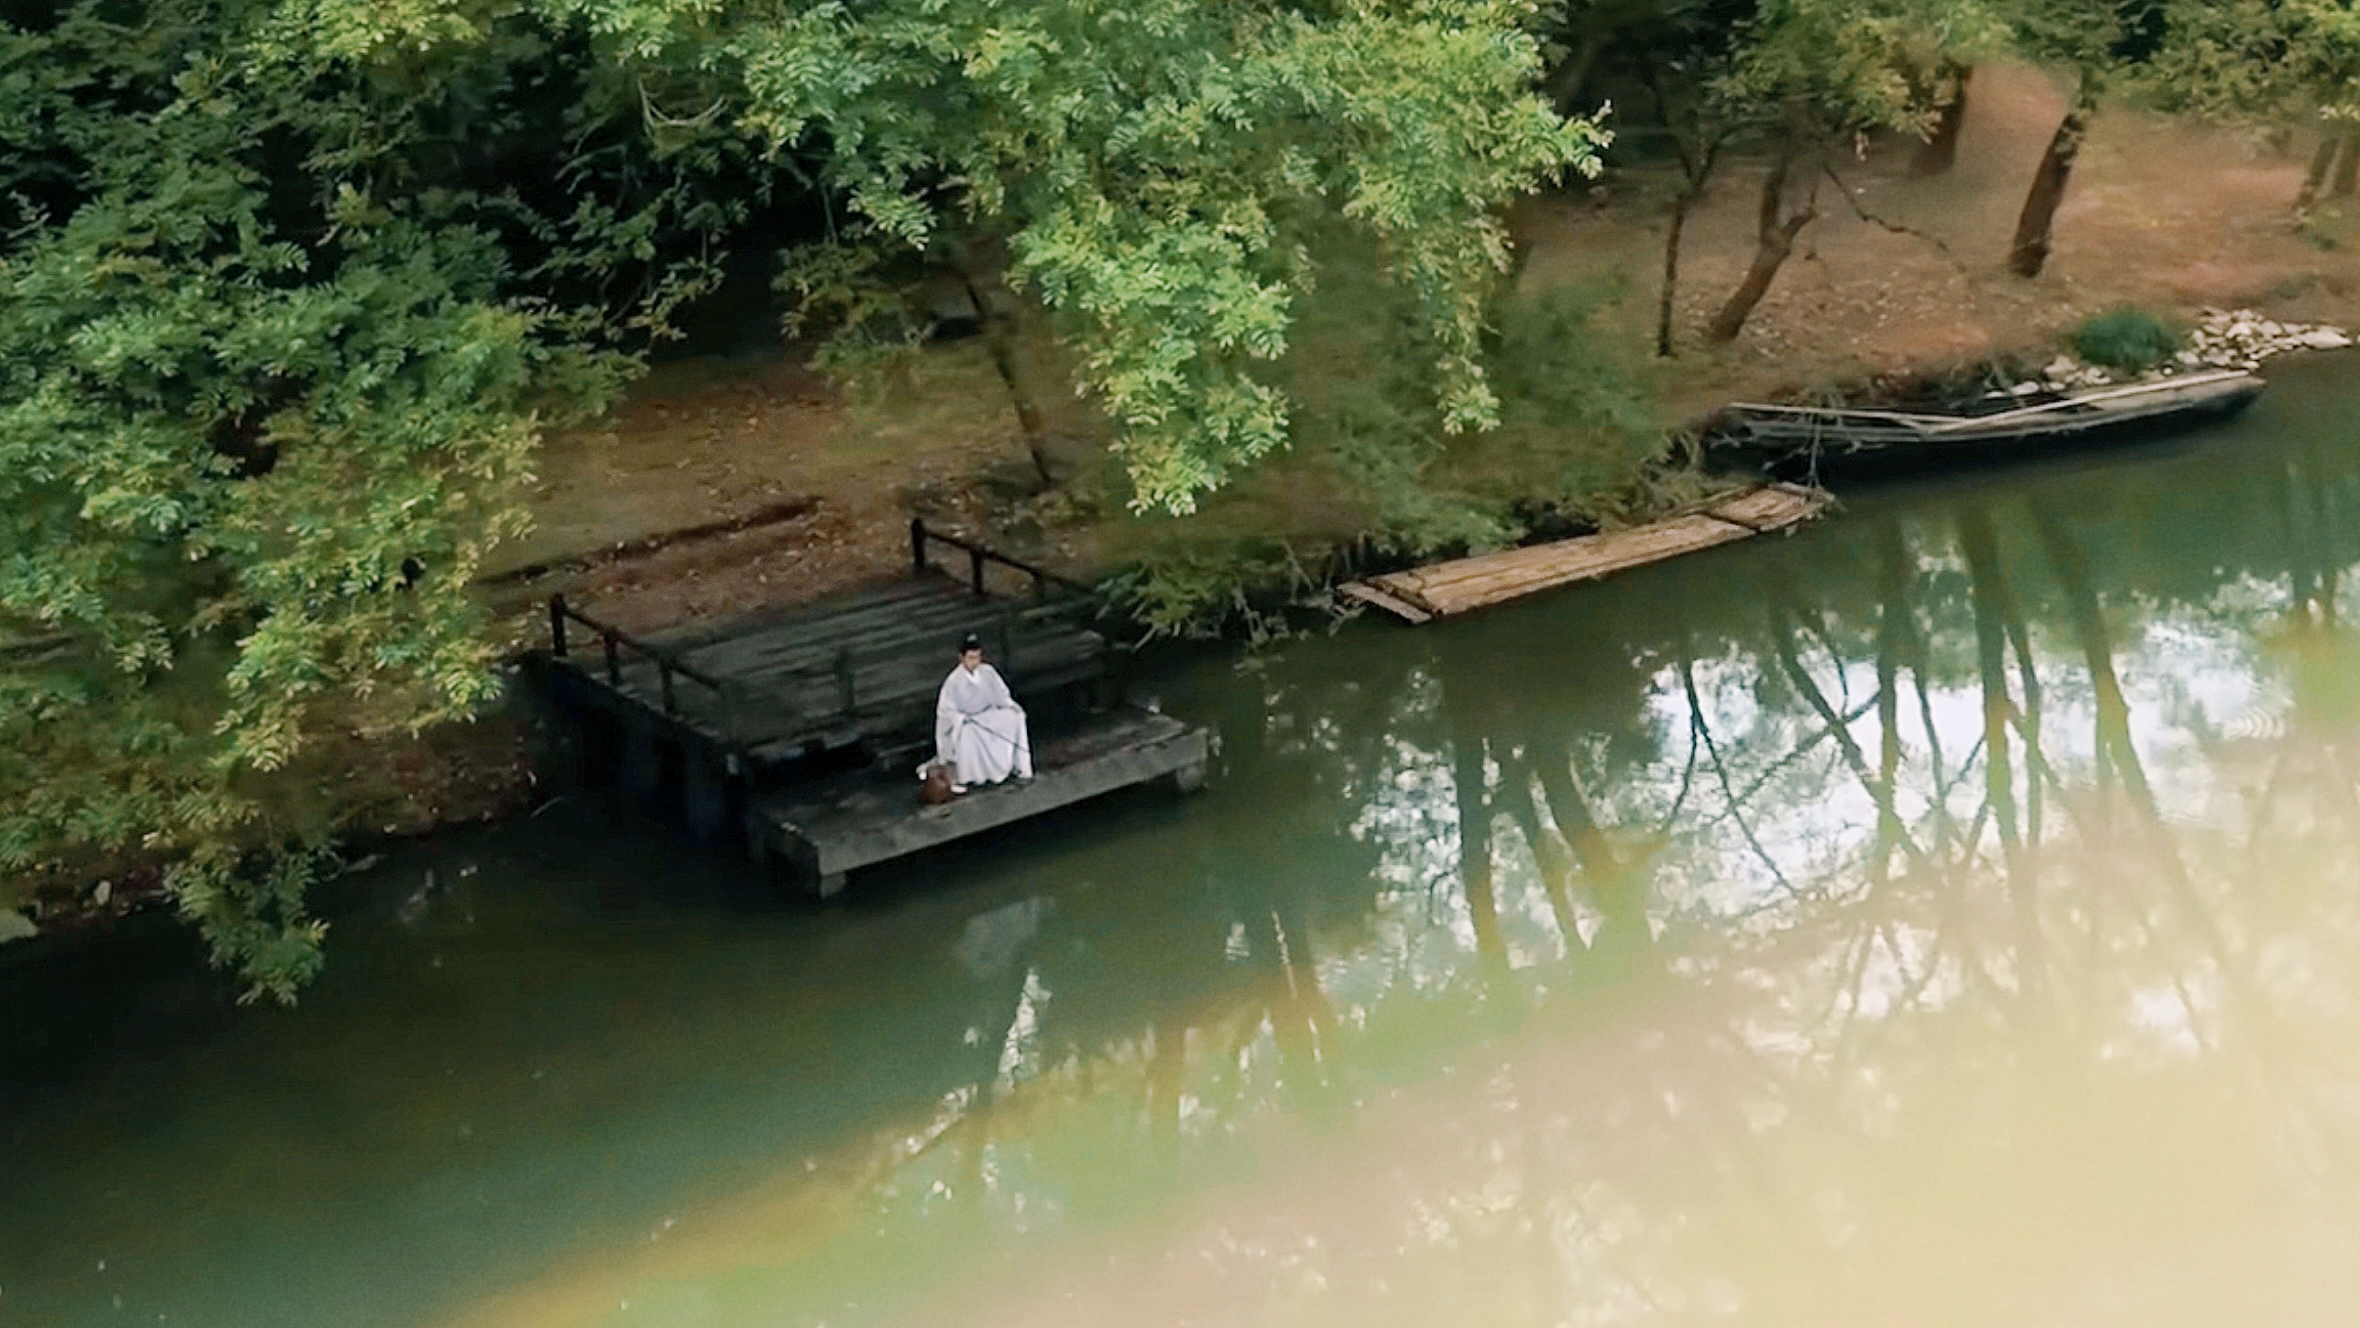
[(937, 788)]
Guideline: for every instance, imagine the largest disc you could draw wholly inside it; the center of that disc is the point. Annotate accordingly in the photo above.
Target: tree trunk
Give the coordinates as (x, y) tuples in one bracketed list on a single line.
[(1566, 82), (1992, 600), (995, 308), (1549, 853), (1625, 941), (2315, 179), (2029, 252), (1696, 168), (1775, 233), (2347, 171), (1475, 858), (1895, 617), (1939, 152), (1671, 272)]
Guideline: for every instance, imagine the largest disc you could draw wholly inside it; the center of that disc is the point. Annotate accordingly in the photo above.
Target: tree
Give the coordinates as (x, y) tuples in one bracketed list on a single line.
[(1820, 74), (1796, 79), (2268, 64), (275, 344), (1939, 152), (1775, 226), (1153, 170), (2088, 41), (1687, 64), (291, 287)]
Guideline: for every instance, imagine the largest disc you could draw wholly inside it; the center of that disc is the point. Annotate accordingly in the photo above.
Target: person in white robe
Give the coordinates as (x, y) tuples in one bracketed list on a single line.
[(979, 730)]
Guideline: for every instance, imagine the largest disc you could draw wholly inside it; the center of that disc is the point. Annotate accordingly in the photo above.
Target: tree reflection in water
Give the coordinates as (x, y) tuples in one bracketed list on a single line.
[(1944, 916), (1945, 926)]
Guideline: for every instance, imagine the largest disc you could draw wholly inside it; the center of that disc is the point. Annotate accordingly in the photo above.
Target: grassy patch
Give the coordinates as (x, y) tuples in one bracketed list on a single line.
[(2331, 226), (1372, 478), (2127, 339)]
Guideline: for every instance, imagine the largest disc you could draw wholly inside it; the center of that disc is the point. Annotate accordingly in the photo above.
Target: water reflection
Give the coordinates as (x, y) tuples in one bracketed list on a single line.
[(1945, 916)]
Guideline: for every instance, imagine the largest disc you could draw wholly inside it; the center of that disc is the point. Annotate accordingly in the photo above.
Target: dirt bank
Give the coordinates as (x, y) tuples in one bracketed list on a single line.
[(1907, 276), (726, 485), (1904, 278)]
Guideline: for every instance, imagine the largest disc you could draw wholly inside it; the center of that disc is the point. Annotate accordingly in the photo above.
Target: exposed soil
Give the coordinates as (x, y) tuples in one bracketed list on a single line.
[(726, 485), (2157, 215)]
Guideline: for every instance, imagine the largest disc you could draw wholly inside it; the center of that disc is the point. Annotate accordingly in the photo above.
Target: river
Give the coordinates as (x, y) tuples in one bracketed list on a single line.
[(1947, 915)]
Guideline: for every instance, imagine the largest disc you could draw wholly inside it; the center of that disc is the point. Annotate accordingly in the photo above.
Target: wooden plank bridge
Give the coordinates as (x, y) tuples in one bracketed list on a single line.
[(1463, 585), (801, 729)]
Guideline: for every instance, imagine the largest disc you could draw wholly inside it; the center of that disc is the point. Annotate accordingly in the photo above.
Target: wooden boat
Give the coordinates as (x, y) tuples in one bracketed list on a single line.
[(1466, 584), (1818, 441)]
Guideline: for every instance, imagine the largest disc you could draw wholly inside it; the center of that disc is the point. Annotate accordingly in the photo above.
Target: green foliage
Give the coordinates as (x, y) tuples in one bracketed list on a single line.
[(1571, 397), (1363, 369), (2127, 339), (250, 908), (1154, 169), (1574, 426), (1715, 72), (2270, 62), (276, 340), (1859, 64), (1206, 588), (2085, 38), (289, 288), (1573, 419)]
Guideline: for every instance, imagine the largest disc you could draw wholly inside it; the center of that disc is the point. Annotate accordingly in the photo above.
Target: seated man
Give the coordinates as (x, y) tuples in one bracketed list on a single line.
[(979, 730)]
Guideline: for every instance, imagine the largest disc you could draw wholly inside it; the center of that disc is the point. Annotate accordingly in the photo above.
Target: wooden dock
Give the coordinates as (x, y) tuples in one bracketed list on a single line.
[(860, 818), (766, 722), (1447, 589), (837, 673)]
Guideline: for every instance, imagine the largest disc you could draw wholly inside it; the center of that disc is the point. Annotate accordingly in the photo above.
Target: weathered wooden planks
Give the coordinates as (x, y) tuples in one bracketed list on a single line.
[(1371, 594), (842, 670), (857, 820), (722, 725), (1473, 583)]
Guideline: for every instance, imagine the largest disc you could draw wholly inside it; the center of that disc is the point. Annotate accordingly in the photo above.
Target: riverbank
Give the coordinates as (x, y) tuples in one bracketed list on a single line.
[(1902, 282), (1305, 1051), (727, 485)]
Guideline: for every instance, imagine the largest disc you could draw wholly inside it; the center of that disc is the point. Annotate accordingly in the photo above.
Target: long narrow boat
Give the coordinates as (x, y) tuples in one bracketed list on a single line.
[(1820, 441)]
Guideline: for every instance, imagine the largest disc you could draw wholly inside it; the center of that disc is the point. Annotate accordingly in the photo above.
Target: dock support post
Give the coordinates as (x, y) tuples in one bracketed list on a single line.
[(557, 626), (643, 767), (704, 798), (917, 545)]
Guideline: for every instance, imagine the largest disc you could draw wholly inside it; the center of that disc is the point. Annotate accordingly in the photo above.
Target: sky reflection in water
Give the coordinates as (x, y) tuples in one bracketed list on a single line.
[(1950, 915)]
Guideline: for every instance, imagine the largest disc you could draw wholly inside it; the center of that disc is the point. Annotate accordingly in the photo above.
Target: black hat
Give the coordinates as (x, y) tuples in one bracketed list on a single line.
[(970, 642)]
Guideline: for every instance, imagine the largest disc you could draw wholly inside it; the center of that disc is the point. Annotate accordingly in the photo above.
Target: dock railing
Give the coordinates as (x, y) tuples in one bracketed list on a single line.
[(843, 681), (613, 643), (979, 557)]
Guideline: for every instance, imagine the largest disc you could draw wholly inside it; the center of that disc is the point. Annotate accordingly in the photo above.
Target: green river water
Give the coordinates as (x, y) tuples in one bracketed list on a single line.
[(1947, 915)]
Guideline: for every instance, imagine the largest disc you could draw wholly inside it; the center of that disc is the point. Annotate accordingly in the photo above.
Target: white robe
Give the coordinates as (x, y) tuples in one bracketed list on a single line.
[(979, 728)]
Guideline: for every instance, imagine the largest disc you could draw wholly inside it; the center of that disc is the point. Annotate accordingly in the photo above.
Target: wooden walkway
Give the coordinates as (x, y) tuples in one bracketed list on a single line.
[(1446, 589), (860, 818), (838, 673), (802, 728)]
